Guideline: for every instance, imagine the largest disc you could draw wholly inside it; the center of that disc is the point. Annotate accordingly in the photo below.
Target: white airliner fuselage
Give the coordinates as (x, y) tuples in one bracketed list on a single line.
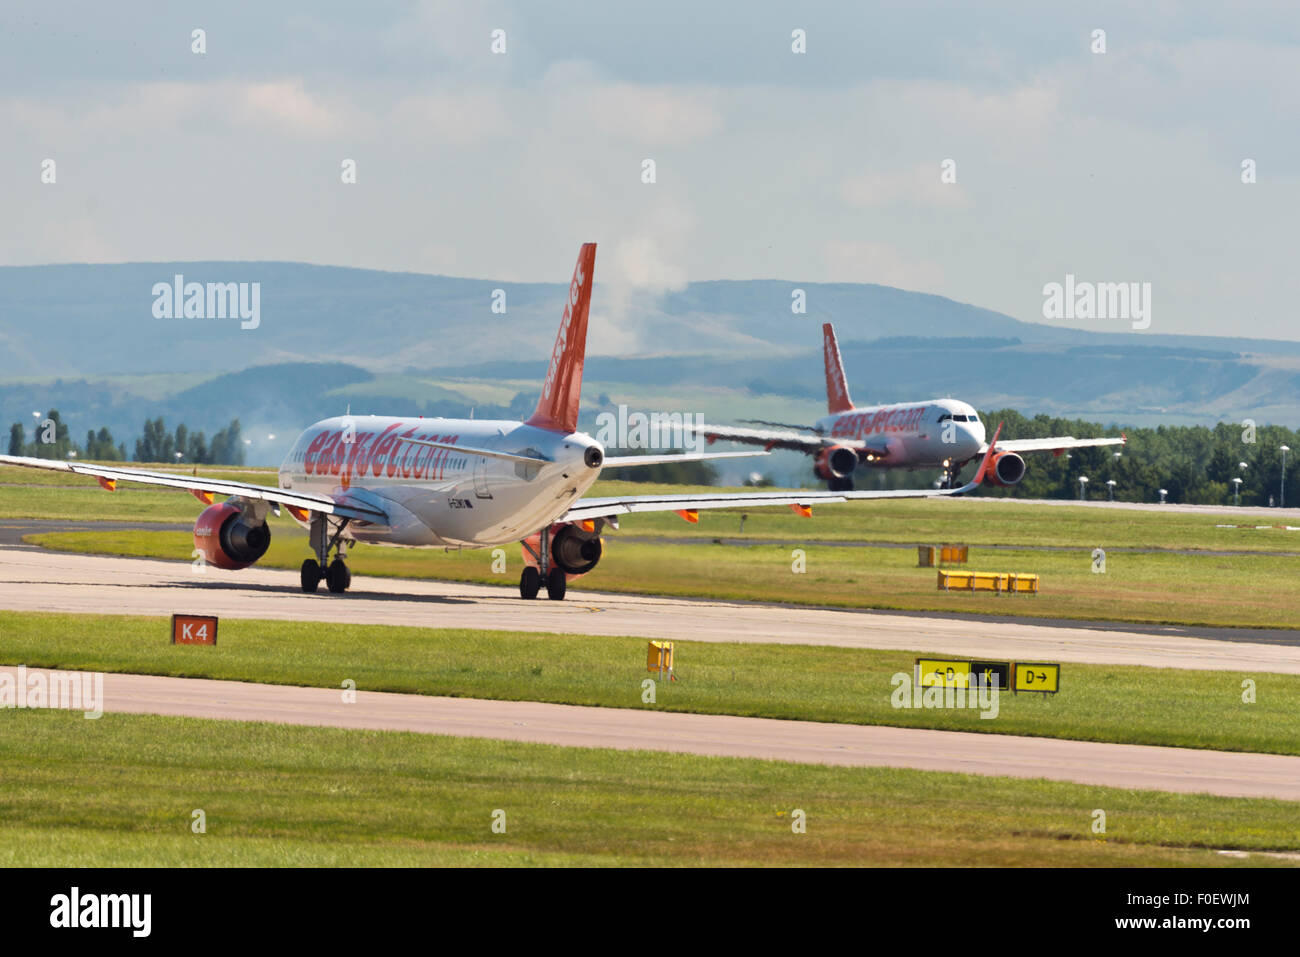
[(909, 435), (440, 496)]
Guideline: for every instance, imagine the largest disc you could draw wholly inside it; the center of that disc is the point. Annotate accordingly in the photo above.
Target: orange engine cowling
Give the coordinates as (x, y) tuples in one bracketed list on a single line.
[(1006, 469), (573, 549), (835, 462), (226, 540)]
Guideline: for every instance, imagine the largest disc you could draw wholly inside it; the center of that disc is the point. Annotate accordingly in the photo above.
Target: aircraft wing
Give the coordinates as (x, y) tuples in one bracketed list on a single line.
[(1058, 444), (623, 461), (110, 475), (589, 508), (768, 438), (801, 500), (810, 442)]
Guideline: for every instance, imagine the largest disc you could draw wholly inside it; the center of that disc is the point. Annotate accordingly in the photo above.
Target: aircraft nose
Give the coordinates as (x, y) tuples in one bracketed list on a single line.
[(975, 436)]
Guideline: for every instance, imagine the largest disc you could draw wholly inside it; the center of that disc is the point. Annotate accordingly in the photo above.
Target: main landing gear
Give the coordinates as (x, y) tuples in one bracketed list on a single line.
[(336, 574), (530, 581)]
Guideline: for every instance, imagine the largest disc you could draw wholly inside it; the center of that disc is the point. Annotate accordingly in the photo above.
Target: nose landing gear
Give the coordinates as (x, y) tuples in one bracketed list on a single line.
[(951, 471)]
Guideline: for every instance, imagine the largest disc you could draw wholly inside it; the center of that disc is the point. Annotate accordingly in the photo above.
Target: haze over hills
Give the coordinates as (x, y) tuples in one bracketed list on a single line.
[(84, 339)]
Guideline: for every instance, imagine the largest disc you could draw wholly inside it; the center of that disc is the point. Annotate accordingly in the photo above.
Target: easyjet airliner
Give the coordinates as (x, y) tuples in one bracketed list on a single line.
[(452, 482), (933, 434)]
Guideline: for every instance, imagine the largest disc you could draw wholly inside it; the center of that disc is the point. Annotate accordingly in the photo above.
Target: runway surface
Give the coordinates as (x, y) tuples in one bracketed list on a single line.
[(33, 579), (1231, 774)]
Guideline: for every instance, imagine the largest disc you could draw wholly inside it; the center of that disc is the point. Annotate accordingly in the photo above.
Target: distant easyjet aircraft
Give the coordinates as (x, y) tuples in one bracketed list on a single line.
[(451, 482), (934, 434)]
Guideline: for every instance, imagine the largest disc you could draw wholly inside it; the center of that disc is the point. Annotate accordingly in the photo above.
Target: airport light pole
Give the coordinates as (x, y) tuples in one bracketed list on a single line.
[(1083, 485), (1281, 496), (1236, 491)]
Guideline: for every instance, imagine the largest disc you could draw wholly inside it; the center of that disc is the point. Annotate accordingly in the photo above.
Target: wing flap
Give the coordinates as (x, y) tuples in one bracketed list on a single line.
[(196, 484)]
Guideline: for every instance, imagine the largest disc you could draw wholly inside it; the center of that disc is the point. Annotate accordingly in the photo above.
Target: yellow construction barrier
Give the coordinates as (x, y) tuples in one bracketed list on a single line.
[(1013, 582), (927, 556)]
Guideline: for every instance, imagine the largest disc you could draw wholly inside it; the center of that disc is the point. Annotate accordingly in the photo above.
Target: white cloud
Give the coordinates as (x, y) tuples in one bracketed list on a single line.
[(284, 104)]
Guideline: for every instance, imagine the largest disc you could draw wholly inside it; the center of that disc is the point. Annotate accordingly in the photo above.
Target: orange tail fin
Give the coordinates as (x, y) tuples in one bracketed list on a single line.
[(557, 409), (837, 389)]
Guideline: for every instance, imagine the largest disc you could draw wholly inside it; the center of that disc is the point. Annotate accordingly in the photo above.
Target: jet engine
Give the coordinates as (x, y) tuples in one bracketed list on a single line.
[(1007, 469), (573, 549), (229, 539), (835, 462)]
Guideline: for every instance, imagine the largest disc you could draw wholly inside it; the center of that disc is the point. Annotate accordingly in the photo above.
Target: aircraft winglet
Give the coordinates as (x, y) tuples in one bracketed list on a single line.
[(988, 458)]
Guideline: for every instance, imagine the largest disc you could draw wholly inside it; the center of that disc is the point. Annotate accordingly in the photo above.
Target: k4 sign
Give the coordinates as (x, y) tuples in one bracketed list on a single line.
[(194, 630)]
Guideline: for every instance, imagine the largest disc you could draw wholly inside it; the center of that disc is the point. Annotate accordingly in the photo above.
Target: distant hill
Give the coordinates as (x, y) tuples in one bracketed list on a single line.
[(83, 338)]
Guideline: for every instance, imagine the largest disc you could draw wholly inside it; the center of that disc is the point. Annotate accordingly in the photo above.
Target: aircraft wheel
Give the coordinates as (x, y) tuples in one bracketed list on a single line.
[(530, 582), (310, 575), (338, 578), (556, 584)]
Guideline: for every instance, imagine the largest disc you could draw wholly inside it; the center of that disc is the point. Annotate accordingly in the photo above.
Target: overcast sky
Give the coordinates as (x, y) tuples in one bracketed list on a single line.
[(822, 166)]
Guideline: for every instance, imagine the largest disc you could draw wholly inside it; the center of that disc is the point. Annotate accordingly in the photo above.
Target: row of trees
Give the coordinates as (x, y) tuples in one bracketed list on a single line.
[(52, 440), (1194, 464), (158, 445)]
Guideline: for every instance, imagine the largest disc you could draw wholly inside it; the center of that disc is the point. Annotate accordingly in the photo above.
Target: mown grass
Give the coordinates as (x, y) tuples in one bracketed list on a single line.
[(121, 791), (969, 520), (1235, 591), (1158, 706)]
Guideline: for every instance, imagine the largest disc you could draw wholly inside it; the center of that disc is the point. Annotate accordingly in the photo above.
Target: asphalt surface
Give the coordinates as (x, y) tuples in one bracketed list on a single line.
[(1230, 774), (34, 579)]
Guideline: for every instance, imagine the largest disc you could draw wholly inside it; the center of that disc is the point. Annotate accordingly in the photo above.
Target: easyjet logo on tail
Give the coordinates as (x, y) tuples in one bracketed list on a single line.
[(562, 337), (557, 409), (837, 390)]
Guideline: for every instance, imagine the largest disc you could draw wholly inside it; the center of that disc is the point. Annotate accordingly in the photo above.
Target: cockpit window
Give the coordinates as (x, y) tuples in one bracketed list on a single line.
[(945, 417)]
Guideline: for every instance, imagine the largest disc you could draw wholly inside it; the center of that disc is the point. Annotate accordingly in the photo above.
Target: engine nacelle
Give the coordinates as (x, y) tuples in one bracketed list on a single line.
[(225, 538), (1008, 469), (835, 462), (573, 549)]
